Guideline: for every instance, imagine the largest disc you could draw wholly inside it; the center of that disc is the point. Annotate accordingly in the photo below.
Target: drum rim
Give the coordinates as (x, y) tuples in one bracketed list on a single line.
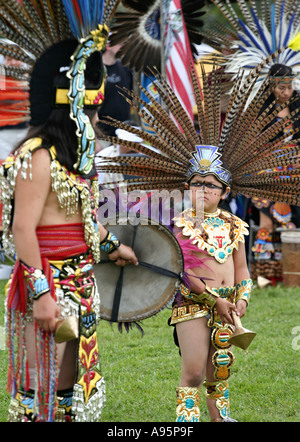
[(166, 230)]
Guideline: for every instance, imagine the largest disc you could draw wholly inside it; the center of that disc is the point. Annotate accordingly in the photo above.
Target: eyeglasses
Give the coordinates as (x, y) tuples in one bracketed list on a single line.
[(207, 185)]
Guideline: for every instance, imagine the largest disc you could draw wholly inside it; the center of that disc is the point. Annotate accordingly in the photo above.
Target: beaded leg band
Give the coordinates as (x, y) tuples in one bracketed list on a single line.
[(223, 357), (64, 407), (187, 409), (222, 361), (21, 408), (218, 391)]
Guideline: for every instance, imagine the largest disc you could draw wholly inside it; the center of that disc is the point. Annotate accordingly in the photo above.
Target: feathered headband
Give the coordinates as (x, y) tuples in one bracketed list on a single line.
[(254, 31), (56, 41), (250, 147)]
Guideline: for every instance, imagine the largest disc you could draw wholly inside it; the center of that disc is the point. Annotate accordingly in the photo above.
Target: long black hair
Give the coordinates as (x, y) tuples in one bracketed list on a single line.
[(60, 131)]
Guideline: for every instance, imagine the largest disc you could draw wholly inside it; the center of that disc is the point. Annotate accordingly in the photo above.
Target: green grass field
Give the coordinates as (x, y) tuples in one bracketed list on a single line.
[(142, 372)]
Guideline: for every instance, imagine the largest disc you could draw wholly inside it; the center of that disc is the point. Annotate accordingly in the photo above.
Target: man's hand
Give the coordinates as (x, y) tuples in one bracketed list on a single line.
[(45, 312), (224, 309), (123, 256)]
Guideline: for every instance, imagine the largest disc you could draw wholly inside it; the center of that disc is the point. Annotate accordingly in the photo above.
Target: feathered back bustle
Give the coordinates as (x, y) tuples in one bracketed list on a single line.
[(138, 29), (30, 27), (85, 16)]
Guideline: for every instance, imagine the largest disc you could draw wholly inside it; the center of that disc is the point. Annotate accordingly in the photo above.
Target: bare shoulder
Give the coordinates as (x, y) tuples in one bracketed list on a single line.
[(41, 156), (37, 171), (40, 164)]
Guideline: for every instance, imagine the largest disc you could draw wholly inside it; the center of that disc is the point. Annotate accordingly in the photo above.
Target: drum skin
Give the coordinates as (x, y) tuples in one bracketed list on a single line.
[(143, 290)]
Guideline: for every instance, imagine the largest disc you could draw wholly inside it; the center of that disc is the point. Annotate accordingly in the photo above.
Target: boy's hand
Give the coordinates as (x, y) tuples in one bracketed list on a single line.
[(241, 306), (224, 309)]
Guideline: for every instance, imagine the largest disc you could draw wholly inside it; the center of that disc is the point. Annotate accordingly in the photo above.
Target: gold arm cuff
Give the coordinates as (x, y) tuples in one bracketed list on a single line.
[(243, 290)]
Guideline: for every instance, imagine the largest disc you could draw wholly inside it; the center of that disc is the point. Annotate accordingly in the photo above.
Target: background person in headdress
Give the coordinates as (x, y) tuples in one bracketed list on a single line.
[(251, 33), (272, 215)]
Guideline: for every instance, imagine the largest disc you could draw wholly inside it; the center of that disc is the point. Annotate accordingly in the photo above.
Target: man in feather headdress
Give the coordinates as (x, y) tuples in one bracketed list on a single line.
[(271, 216), (49, 190)]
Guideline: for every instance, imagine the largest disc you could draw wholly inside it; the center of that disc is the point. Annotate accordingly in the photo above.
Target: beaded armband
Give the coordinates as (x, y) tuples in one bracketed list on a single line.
[(36, 281), (243, 290), (110, 243)]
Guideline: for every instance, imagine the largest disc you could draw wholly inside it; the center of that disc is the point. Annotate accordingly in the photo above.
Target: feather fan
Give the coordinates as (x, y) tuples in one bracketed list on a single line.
[(14, 102)]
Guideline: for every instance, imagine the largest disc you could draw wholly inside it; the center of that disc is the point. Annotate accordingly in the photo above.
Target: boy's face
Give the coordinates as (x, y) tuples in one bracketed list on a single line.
[(206, 193)]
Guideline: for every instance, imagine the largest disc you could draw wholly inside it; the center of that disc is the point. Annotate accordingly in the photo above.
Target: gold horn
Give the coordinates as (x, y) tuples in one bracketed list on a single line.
[(66, 329), (241, 337)]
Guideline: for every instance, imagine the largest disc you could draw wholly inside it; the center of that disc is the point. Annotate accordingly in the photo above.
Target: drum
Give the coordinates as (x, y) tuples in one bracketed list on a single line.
[(133, 293), (290, 241)]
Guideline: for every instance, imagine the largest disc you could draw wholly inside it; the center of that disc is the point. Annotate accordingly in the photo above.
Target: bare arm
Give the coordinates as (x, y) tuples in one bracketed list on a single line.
[(241, 273), (30, 199)]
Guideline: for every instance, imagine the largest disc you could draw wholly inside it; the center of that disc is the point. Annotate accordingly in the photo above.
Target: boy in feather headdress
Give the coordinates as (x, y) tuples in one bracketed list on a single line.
[(239, 157), (217, 286)]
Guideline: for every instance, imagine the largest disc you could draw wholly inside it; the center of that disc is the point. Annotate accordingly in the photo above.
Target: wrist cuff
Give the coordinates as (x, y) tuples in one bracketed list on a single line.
[(243, 290), (110, 243), (36, 281)]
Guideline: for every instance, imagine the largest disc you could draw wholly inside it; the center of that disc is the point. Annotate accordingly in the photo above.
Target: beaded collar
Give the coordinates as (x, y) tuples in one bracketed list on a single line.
[(219, 234)]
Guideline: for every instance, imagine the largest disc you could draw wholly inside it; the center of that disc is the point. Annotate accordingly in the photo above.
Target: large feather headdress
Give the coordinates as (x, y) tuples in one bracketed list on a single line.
[(36, 31), (254, 31), (249, 153), (138, 29)]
